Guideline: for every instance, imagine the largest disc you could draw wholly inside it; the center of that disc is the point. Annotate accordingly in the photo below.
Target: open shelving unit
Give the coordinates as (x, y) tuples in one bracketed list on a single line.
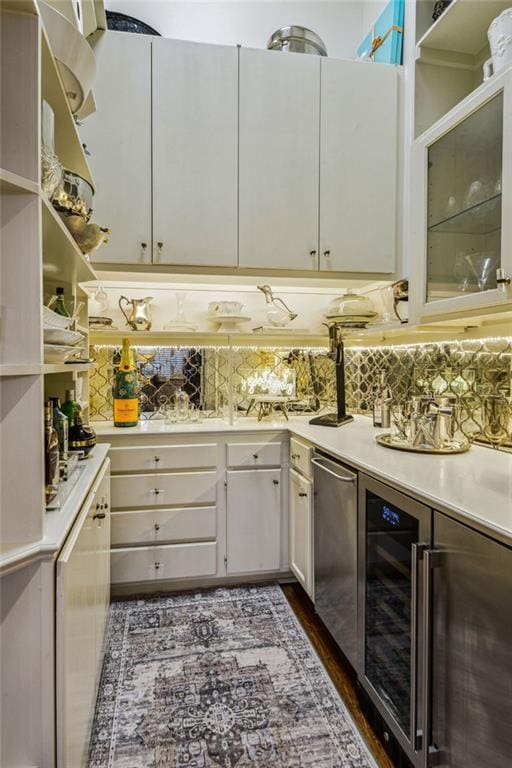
[(38, 253)]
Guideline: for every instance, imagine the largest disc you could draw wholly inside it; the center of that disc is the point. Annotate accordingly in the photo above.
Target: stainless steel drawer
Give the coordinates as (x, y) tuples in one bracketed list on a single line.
[(163, 525), (300, 457), (150, 458), (172, 561), (257, 454), (176, 488)]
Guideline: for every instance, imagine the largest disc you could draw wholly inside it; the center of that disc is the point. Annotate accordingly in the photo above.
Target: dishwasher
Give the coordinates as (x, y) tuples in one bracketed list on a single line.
[(335, 547)]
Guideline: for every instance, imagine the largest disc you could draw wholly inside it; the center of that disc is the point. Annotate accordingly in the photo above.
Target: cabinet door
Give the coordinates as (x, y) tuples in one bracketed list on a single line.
[(358, 167), (83, 581), (472, 641), (195, 148), (279, 135), (301, 523), (253, 520), (118, 137)]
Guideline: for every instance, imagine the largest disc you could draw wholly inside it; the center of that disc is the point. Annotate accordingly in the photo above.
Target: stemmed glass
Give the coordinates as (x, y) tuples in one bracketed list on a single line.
[(482, 265)]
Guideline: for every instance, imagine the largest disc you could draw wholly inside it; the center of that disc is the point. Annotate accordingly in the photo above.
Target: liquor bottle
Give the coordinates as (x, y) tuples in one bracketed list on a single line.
[(126, 390), (81, 438), (58, 303), (51, 455), (61, 426), (382, 403), (69, 405)]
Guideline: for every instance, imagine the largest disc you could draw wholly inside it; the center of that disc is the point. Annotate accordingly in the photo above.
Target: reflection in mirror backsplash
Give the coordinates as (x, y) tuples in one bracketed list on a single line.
[(223, 380)]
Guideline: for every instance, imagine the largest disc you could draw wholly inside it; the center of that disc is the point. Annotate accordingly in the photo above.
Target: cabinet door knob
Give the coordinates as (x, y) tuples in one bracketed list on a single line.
[(157, 566), (327, 254), (295, 455), (157, 459), (302, 494), (143, 248), (255, 456), (157, 527), (99, 516), (157, 491), (276, 482), (159, 248), (312, 254), (98, 506)]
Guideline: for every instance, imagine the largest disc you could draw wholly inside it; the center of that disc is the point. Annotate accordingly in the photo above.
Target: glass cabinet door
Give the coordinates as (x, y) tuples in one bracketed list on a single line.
[(464, 205)]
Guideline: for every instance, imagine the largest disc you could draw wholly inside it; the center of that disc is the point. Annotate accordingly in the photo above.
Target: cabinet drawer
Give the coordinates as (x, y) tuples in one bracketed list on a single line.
[(151, 458), (174, 561), (254, 454), (163, 525), (300, 457), (135, 491)]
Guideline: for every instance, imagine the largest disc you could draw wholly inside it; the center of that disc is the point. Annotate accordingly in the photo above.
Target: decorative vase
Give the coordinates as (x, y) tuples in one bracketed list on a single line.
[(500, 40)]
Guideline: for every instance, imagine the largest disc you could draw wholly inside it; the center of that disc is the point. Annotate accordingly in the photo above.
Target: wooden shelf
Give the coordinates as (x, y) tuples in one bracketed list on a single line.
[(459, 36), (67, 367), (13, 184), (68, 145), (62, 257), (204, 338)]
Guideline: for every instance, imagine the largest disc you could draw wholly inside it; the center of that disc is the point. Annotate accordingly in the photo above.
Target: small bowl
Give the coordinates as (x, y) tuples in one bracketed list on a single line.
[(225, 307)]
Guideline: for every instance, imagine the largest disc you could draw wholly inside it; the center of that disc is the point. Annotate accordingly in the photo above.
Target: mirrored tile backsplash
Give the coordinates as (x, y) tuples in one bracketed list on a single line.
[(225, 380)]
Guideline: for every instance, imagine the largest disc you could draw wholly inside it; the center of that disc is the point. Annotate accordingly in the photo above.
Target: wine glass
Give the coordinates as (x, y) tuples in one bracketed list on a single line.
[(482, 265)]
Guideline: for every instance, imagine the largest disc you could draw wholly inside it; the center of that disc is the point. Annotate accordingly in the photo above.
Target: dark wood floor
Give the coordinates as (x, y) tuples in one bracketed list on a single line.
[(335, 664)]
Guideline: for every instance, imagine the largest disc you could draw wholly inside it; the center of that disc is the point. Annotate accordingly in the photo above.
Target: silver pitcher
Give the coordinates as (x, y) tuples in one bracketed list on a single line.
[(139, 318)]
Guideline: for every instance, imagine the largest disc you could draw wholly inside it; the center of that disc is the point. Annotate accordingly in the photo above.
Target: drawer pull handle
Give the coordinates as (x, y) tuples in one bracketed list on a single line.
[(157, 527), (156, 491), (255, 456), (157, 566), (302, 494), (99, 516), (157, 459), (295, 455), (276, 482)]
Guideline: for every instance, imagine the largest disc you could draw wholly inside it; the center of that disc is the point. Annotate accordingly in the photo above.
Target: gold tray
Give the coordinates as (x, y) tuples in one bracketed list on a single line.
[(390, 441)]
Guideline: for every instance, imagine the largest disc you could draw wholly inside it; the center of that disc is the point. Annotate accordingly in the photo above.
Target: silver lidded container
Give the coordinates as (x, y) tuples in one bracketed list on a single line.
[(294, 39)]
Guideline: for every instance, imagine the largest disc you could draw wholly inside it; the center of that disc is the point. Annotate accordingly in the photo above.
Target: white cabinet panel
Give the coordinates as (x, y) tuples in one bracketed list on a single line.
[(279, 139), (195, 147), (358, 167), (83, 588), (174, 561), (162, 457), (253, 520), (301, 530), (254, 454), (164, 525), (135, 491), (300, 456), (118, 137)]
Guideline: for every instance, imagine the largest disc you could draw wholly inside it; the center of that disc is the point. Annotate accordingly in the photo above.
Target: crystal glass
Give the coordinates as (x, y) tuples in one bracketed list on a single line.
[(182, 402)]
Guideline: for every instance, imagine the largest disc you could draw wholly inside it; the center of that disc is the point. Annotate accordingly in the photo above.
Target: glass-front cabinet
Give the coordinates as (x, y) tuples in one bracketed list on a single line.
[(462, 226)]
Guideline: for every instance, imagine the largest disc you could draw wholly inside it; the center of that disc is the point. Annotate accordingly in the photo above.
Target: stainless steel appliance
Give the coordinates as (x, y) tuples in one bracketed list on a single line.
[(393, 532), (335, 535), (468, 655)]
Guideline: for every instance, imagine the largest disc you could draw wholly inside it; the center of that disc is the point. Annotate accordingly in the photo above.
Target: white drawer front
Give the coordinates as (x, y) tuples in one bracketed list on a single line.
[(163, 525), (254, 454), (174, 561), (151, 458), (135, 491), (300, 457)]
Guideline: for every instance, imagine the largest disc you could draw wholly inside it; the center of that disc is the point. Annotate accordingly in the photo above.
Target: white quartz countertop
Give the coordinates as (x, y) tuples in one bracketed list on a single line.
[(474, 487)]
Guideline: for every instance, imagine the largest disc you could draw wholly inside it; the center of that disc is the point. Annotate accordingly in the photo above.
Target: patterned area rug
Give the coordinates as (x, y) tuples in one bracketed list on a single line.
[(218, 679)]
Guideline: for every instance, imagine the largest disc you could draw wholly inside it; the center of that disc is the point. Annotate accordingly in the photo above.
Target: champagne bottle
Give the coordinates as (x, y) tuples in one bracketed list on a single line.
[(69, 406), (51, 455), (61, 426), (126, 390), (382, 403), (58, 303)]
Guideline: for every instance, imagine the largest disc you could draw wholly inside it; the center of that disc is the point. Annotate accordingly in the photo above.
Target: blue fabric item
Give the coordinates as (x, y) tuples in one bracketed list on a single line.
[(390, 52)]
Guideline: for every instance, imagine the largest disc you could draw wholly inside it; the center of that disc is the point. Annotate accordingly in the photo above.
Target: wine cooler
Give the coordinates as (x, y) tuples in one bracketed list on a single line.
[(394, 531)]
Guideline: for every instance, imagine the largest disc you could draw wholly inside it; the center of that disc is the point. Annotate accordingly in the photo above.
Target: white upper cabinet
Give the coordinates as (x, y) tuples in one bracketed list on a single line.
[(195, 148), (118, 137), (358, 166), (279, 135)]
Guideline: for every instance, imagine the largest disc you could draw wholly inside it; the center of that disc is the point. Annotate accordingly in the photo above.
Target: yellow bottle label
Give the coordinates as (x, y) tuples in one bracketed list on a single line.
[(126, 411)]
